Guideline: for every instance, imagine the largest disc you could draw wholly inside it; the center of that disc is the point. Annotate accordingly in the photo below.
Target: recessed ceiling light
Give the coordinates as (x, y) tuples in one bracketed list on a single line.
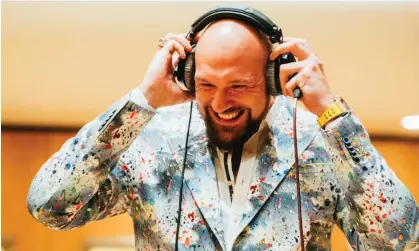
[(411, 122)]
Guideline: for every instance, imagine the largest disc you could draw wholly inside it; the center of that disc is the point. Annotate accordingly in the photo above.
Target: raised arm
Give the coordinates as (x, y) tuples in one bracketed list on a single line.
[(87, 178)]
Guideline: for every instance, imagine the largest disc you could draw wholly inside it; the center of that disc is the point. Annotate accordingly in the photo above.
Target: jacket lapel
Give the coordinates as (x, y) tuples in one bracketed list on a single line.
[(200, 176), (201, 179), (275, 159)]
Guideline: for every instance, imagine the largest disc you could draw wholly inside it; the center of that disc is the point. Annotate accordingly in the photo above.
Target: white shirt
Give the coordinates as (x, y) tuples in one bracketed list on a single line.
[(232, 210)]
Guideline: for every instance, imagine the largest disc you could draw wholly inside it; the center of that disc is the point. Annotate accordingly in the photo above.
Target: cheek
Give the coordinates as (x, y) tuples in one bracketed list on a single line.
[(203, 99), (256, 101)]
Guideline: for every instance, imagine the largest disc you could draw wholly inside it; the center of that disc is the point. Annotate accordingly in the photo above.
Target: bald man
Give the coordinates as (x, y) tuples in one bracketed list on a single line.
[(239, 179)]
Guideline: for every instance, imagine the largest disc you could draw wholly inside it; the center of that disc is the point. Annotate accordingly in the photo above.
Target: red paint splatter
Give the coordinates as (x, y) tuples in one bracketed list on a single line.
[(124, 168), (372, 230), (78, 206), (107, 146), (133, 113), (169, 185), (261, 197), (382, 199), (187, 242), (262, 179), (191, 216), (253, 188)]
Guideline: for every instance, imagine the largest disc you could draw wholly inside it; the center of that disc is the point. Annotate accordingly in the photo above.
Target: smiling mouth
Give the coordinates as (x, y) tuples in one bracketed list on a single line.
[(229, 117)]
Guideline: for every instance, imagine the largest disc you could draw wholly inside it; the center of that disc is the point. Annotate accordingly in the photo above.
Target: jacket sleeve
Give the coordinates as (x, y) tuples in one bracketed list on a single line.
[(376, 211), (87, 179)]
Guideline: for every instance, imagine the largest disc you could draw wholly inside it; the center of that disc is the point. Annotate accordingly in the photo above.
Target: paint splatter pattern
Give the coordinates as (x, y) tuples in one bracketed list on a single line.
[(129, 160)]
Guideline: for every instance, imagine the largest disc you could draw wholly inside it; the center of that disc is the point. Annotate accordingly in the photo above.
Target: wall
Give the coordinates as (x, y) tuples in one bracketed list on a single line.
[(24, 152)]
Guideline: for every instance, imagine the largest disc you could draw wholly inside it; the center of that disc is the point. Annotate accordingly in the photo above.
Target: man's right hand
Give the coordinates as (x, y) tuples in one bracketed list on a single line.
[(158, 85)]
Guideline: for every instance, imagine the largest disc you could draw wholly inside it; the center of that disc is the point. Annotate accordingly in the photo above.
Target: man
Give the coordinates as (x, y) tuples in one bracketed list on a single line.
[(239, 178)]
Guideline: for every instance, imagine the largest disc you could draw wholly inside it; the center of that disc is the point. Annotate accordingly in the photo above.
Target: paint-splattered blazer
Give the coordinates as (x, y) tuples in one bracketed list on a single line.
[(129, 160)]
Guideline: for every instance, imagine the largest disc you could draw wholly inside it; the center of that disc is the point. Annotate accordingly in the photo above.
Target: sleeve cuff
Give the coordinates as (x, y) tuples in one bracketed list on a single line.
[(138, 98)]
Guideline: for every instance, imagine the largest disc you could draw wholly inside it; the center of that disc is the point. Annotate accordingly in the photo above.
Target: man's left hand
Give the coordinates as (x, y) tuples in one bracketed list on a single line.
[(310, 77)]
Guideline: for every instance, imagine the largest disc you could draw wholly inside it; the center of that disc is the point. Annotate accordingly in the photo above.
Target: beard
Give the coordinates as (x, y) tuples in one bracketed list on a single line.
[(226, 137)]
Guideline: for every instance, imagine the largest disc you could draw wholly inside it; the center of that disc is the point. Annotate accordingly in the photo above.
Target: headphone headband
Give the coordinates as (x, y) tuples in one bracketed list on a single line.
[(242, 13)]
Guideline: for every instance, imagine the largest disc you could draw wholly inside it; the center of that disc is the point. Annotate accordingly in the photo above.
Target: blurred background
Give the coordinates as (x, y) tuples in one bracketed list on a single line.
[(63, 63)]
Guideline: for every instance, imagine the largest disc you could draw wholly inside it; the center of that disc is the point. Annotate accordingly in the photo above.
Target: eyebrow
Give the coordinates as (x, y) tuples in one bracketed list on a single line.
[(200, 79), (239, 80)]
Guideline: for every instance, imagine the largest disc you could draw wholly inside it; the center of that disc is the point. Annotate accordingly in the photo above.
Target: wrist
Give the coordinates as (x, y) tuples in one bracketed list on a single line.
[(325, 104), (337, 109), (150, 95)]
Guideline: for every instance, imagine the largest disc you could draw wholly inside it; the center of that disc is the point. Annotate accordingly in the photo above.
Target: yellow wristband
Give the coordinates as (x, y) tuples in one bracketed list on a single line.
[(331, 113)]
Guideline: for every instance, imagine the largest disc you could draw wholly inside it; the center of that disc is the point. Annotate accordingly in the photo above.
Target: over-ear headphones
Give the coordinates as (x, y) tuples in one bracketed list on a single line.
[(185, 71)]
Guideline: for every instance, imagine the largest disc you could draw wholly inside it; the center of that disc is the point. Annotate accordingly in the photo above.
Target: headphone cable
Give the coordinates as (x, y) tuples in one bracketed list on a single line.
[(297, 95), (181, 183)]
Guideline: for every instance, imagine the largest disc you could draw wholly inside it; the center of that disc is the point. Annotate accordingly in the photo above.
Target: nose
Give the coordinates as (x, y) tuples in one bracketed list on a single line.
[(221, 101)]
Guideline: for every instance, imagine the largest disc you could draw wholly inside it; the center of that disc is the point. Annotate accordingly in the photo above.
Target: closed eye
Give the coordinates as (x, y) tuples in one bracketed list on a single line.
[(239, 86), (206, 85)]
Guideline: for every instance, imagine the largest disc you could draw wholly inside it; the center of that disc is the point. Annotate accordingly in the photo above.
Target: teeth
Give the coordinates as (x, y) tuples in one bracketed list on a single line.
[(228, 115)]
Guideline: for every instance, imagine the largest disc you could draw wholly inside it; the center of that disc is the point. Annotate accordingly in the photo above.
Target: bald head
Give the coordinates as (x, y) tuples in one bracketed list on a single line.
[(233, 39)]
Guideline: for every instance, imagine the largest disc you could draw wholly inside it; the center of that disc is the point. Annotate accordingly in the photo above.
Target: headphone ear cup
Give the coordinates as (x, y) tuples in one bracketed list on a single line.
[(272, 78), (190, 71), (185, 72), (273, 83)]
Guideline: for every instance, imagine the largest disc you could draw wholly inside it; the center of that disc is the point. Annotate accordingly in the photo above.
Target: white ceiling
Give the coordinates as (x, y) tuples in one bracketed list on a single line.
[(65, 62)]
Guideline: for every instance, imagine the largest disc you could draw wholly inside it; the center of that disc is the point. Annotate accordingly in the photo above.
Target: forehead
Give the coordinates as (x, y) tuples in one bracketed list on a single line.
[(229, 77)]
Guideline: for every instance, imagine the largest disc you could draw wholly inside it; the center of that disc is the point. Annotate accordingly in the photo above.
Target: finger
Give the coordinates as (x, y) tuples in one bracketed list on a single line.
[(180, 39), (286, 72), (175, 59), (299, 80), (303, 41), (172, 46), (294, 47)]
